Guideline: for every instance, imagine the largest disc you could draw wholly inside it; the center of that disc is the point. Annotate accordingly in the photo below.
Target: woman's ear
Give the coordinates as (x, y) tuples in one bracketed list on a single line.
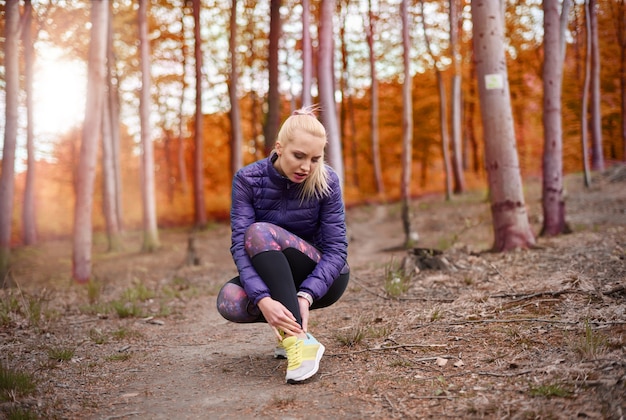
[(279, 148)]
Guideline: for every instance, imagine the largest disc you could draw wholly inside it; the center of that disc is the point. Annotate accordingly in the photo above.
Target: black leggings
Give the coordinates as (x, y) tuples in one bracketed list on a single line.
[(283, 272)]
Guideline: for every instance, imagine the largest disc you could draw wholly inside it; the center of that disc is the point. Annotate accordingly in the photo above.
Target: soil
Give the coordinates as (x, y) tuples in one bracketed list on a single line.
[(538, 333)]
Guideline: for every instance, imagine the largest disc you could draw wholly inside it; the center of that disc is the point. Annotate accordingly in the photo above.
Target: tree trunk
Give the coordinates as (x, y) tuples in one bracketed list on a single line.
[(272, 123), (410, 237), (597, 154), (445, 137), (552, 197), (510, 218), (236, 146), (443, 112), (326, 85), (113, 103), (374, 104), (182, 166), (7, 178), (109, 184), (96, 80), (198, 176), (585, 100), (307, 55), (455, 101), (28, 211), (150, 231)]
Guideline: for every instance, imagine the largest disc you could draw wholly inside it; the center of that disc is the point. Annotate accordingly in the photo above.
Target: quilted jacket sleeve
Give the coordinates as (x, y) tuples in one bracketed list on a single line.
[(331, 241), (241, 217)]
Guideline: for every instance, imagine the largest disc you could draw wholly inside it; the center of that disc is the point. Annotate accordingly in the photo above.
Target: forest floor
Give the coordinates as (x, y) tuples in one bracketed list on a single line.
[(537, 333)]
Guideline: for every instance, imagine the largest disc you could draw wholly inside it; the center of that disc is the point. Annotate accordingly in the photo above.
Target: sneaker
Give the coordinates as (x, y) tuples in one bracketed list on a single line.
[(303, 357), (279, 351)]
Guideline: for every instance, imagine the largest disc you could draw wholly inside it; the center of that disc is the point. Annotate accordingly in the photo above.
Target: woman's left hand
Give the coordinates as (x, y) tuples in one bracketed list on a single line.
[(304, 313)]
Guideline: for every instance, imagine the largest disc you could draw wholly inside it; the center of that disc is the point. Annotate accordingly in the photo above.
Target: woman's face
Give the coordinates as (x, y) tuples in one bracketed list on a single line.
[(298, 157)]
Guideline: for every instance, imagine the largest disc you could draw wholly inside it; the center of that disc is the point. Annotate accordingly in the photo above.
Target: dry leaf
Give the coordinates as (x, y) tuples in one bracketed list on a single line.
[(441, 361)]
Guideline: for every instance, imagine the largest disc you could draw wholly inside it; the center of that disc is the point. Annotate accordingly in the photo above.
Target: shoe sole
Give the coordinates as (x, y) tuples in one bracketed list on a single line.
[(318, 357)]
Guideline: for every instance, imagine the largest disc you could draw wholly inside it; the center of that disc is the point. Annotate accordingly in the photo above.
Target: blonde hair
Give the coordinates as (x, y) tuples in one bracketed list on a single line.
[(304, 119)]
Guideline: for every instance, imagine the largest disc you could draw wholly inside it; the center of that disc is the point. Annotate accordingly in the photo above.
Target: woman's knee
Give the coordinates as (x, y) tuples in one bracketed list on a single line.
[(233, 304)]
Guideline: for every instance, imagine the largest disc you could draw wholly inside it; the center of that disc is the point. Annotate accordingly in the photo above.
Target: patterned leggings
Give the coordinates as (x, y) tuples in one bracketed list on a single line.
[(283, 261)]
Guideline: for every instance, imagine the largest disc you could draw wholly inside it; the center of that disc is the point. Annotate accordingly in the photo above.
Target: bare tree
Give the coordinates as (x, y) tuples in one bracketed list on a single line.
[(112, 102), (109, 183), (597, 154), (28, 210), (307, 55), (374, 102), (236, 140), (7, 178), (585, 99), (410, 237), (272, 122), (455, 99), (554, 54), (96, 81), (326, 85), (150, 230), (508, 210), (443, 112), (198, 176)]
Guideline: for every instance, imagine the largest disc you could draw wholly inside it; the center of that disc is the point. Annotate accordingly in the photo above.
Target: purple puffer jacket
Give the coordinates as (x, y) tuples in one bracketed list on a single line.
[(261, 194)]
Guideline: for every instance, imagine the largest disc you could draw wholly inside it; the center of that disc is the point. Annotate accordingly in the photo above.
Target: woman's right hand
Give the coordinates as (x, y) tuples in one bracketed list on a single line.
[(279, 317)]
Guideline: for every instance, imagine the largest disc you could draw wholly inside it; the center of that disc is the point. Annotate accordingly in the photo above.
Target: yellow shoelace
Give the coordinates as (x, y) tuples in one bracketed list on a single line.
[(294, 354)]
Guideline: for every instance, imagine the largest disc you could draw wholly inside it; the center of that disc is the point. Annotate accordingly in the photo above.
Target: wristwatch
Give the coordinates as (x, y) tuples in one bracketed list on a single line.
[(307, 296)]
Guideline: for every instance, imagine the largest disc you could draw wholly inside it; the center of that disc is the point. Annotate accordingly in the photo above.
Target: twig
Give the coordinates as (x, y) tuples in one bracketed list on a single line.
[(505, 375), (119, 416), (553, 294), (399, 346)]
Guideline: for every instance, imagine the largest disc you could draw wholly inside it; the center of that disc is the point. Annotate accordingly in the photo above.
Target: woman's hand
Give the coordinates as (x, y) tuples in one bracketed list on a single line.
[(304, 313), (279, 317)]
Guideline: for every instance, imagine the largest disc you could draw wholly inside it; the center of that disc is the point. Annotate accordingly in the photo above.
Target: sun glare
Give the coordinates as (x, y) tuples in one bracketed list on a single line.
[(59, 93)]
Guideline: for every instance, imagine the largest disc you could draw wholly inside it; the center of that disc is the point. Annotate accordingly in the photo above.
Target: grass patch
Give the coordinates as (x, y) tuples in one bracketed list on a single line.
[(592, 344), (14, 384), (397, 282), (120, 357), (549, 391), (62, 354)]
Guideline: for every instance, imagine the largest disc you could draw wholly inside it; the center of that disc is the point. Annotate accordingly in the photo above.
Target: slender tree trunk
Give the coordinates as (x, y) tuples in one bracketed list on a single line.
[(326, 85), (182, 166), (96, 81), (150, 230), (113, 102), (307, 55), (597, 154), (374, 104), (443, 113), (272, 123), (455, 102), (410, 237), (585, 99), (236, 146), (445, 138), (552, 197), (198, 176), (510, 218), (108, 182), (28, 211), (7, 177), (109, 156)]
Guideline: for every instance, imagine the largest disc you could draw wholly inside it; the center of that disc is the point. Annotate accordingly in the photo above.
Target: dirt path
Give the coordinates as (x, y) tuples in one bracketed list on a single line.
[(529, 334)]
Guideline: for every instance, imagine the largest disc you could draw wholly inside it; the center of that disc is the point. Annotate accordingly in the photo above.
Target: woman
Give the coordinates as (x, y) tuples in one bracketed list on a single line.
[(288, 242)]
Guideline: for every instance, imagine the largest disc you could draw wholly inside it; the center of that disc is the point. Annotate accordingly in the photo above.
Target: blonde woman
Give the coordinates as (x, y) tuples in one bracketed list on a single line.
[(288, 242)]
